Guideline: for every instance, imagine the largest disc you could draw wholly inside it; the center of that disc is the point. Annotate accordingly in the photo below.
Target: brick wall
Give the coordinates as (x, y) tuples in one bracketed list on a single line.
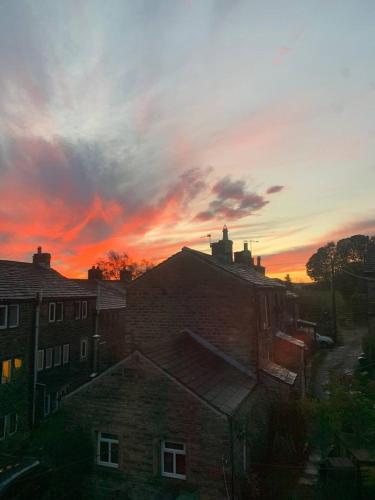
[(142, 406)]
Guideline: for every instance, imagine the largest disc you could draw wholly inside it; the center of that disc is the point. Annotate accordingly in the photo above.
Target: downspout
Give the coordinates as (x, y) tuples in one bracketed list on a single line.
[(231, 456), (36, 347), (96, 337)]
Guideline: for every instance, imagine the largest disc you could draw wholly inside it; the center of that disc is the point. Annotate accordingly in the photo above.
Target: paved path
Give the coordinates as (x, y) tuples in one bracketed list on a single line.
[(340, 359)]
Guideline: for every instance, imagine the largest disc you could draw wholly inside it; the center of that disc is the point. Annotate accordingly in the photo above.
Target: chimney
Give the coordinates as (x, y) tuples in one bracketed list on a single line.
[(244, 256), (41, 259), (261, 269), (95, 273), (126, 275), (222, 249)]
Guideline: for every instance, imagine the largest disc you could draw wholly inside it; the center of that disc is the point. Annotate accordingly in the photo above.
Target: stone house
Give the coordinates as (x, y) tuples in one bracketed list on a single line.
[(228, 302), (170, 422), (46, 329)]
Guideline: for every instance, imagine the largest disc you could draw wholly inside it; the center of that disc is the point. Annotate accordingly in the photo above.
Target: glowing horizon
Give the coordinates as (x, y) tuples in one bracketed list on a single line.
[(142, 127)]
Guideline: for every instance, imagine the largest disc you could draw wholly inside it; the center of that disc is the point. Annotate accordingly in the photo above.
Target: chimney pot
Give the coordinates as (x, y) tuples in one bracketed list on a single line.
[(245, 246), (95, 273), (41, 259)]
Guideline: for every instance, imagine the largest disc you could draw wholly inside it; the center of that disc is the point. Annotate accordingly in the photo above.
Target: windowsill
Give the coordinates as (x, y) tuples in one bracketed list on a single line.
[(108, 465), (173, 476)]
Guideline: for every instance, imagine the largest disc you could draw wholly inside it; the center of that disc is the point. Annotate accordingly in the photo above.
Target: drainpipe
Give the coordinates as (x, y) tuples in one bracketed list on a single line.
[(231, 456), (96, 337), (35, 364)]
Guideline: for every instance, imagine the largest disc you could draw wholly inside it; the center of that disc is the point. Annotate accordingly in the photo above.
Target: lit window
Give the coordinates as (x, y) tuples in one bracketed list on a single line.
[(12, 423), (84, 343), (13, 315), (6, 370), (52, 312), (2, 428), (57, 359), (84, 309), (59, 311), (3, 316), (47, 405), (40, 360), (49, 354), (173, 460), (108, 450), (65, 354), (17, 363), (77, 310)]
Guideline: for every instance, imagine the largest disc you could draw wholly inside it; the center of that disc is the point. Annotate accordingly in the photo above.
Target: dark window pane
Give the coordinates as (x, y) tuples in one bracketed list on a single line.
[(77, 310), (2, 427), (12, 423), (173, 446), (114, 453), (59, 311), (3, 316), (180, 464), (168, 462), (104, 451), (12, 315), (105, 435)]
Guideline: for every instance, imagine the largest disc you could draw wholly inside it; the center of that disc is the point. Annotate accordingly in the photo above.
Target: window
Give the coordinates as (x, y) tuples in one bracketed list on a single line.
[(108, 450), (57, 359), (3, 316), (2, 428), (65, 354), (84, 343), (173, 460), (77, 310), (13, 315), (84, 309), (17, 363), (12, 423), (40, 360), (47, 405), (6, 370), (49, 354), (52, 312), (59, 311)]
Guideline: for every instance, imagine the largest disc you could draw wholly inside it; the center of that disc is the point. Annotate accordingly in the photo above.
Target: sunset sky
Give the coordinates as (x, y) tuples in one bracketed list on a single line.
[(142, 126)]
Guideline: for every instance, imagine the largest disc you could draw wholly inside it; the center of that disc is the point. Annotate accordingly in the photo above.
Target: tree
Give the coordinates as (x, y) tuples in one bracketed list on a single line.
[(114, 262)]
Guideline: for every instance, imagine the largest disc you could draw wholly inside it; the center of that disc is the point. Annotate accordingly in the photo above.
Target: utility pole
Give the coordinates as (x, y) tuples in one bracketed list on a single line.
[(333, 298)]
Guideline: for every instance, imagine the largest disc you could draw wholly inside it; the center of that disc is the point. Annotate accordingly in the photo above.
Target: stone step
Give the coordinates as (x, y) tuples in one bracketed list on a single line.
[(311, 470), (307, 481)]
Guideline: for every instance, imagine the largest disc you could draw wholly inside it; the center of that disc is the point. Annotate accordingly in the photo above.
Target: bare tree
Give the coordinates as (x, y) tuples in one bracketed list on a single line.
[(114, 262)]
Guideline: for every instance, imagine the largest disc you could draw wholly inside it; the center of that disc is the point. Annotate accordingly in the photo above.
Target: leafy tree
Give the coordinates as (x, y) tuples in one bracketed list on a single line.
[(347, 257), (114, 262)]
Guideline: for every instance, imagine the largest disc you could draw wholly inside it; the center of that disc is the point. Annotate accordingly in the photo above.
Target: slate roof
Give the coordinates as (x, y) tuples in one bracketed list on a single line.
[(246, 273), (215, 380), (109, 296), (279, 372), (22, 281), (292, 340)]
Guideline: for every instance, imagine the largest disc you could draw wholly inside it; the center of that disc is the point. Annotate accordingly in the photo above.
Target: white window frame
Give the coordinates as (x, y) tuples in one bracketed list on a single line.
[(84, 309), (77, 314), (4, 325), (84, 342), (18, 315), (57, 355), (40, 360), (174, 452), (66, 354), (49, 358), (9, 362), (51, 317), (62, 311), (110, 441)]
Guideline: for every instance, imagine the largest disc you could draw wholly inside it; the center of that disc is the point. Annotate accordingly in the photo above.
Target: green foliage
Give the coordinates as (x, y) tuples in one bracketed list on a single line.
[(368, 346), (313, 302), (350, 408)]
